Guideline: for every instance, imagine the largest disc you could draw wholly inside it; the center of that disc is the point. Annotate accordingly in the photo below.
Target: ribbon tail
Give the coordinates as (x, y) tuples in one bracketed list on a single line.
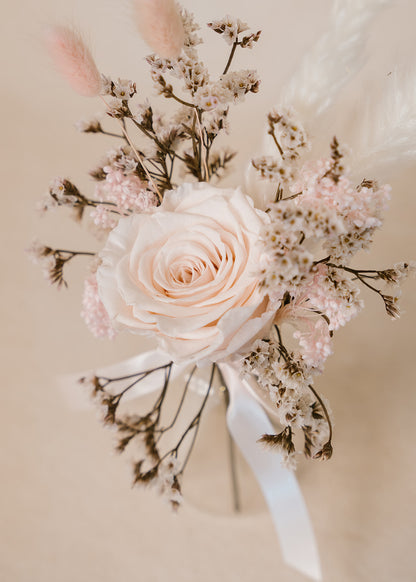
[(247, 422)]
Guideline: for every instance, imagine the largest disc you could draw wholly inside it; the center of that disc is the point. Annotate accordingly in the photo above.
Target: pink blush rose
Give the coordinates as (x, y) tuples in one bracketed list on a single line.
[(187, 273)]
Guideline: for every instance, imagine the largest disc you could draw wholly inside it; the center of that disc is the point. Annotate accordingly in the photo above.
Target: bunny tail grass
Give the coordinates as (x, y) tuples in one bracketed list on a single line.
[(160, 24), (73, 60)]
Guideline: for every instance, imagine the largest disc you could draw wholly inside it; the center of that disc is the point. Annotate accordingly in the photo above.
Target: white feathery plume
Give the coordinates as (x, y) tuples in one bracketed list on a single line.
[(334, 59), (388, 131)]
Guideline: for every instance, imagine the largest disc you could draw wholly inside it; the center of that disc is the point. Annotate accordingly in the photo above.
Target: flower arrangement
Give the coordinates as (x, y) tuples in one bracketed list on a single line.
[(257, 277)]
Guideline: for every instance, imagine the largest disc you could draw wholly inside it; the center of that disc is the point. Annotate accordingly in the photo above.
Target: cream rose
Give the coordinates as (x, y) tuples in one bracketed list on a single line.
[(186, 273)]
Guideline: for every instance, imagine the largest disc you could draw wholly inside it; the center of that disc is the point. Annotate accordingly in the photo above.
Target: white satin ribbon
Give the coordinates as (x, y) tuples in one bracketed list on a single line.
[(247, 421)]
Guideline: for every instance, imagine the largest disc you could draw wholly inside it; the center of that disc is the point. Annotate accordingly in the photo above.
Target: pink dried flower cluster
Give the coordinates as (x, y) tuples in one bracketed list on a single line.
[(356, 210), (103, 219), (312, 234), (93, 311), (325, 213), (360, 206), (315, 343), (335, 296), (128, 193)]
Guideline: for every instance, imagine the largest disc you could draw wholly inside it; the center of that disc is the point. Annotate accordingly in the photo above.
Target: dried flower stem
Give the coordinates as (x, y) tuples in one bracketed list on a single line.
[(182, 400), (230, 58), (165, 152), (272, 132), (181, 101), (327, 447), (362, 275), (59, 258), (141, 162), (109, 133), (201, 143), (195, 423), (153, 137), (196, 145), (121, 378), (136, 153), (148, 426), (96, 203), (74, 253), (231, 450)]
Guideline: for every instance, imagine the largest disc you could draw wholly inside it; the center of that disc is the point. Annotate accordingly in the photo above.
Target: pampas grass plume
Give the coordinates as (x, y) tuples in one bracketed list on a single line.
[(160, 24), (385, 139), (73, 60), (334, 60)]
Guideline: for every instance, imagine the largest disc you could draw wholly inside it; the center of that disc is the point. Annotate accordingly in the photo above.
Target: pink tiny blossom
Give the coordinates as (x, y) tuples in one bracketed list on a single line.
[(315, 343), (103, 218), (73, 60), (127, 192), (161, 26), (312, 331), (360, 207), (339, 304), (94, 313)]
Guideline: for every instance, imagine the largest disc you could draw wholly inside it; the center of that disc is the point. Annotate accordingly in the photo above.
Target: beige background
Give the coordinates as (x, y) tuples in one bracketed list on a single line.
[(68, 513)]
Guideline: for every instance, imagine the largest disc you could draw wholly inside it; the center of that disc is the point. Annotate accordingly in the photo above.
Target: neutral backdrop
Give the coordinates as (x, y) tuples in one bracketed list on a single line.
[(68, 513)]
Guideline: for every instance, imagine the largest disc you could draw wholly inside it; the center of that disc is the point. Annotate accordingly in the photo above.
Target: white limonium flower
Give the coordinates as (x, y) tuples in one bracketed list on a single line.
[(124, 89), (92, 125), (228, 27)]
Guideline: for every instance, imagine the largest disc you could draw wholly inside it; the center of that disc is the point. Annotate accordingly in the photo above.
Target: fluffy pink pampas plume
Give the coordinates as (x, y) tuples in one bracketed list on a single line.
[(73, 60), (160, 24)]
